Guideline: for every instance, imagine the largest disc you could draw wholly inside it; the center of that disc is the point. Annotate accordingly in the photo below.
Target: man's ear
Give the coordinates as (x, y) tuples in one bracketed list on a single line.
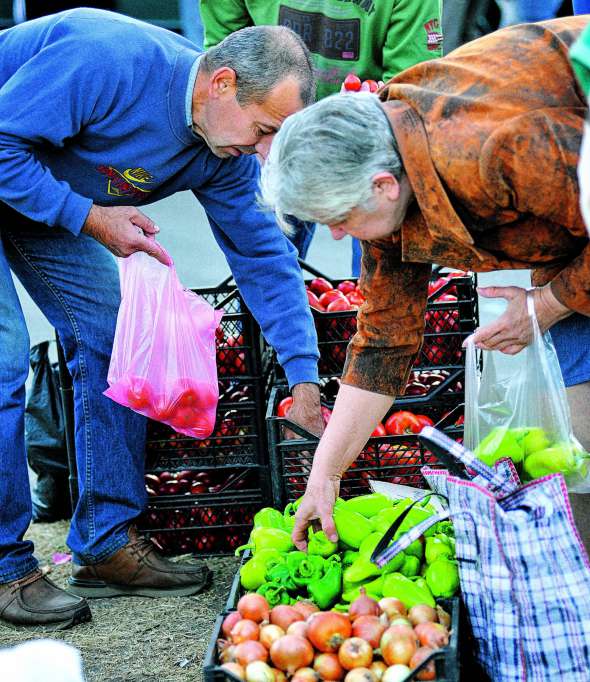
[(223, 82), (387, 184)]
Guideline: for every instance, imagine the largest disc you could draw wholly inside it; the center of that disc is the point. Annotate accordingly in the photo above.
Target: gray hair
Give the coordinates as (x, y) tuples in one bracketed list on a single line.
[(323, 159), (262, 57)]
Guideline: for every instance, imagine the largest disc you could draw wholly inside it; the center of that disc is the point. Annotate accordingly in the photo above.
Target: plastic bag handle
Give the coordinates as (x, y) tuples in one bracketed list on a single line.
[(438, 442), (382, 554)]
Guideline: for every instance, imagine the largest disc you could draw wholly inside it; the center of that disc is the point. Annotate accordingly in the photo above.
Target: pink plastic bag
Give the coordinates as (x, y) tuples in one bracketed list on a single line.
[(163, 361)]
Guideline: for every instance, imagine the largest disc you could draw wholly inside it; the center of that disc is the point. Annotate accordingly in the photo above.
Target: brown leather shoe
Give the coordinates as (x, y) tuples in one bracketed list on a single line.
[(36, 600), (138, 570)]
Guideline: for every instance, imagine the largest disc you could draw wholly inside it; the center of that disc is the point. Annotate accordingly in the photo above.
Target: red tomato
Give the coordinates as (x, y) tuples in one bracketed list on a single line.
[(314, 301), (424, 420), (379, 431), (319, 286), (355, 298), (402, 422), (339, 304), (284, 406), (139, 393), (373, 86), (352, 83), (346, 287), (329, 296), (326, 413)]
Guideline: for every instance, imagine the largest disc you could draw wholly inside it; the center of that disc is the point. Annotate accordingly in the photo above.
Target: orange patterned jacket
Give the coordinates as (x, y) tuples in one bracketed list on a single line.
[(489, 138)]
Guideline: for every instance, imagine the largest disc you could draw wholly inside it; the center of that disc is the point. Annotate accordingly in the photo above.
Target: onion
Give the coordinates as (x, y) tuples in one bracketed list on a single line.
[(378, 668), (254, 607), (401, 620), (228, 654), (433, 635), (248, 652), (229, 621), (283, 615), (327, 630), (392, 607), (360, 675), (428, 672), (244, 630), (369, 628), (299, 628), (399, 649), (363, 606), (259, 672), (289, 653), (396, 673), (305, 675), (235, 669), (443, 617), (422, 613), (279, 675), (305, 607), (396, 631), (355, 653), (270, 634), (328, 667)]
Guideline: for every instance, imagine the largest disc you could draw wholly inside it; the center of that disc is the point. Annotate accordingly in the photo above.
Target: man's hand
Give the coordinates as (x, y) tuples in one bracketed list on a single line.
[(306, 410), (317, 503), (124, 230), (513, 330)]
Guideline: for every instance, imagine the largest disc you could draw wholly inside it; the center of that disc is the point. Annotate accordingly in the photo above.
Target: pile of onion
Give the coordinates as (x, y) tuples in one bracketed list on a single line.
[(374, 642)]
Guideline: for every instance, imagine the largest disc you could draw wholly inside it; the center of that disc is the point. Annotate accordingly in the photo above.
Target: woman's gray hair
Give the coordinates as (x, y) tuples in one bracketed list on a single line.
[(262, 57), (323, 159)]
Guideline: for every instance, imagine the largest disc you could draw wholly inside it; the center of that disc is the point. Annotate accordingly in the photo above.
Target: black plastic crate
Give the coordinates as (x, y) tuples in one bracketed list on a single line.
[(446, 660), (397, 459), (447, 324), (208, 524)]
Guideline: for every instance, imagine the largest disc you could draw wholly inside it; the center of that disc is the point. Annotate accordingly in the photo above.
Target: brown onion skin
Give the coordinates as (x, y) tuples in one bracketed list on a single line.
[(299, 628), (235, 669), (244, 630), (328, 667), (229, 621), (443, 617), (283, 615), (363, 606), (428, 673), (433, 635), (250, 651), (355, 653), (399, 650), (360, 675), (378, 668), (270, 633), (305, 675), (391, 606), (291, 653), (327, 630), (369, 628), (279, 675), (422, 613), (305, 608), (253, 607)]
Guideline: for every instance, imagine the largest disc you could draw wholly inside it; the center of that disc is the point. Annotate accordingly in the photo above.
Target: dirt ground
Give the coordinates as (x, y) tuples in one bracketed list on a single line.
[(134, 639)]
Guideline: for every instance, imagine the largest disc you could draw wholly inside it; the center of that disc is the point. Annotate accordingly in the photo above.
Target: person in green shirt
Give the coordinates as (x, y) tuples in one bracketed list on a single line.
[(375, 39)]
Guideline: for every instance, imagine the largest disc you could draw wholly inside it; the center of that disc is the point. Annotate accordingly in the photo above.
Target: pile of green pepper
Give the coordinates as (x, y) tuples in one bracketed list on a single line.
[(332, 574)]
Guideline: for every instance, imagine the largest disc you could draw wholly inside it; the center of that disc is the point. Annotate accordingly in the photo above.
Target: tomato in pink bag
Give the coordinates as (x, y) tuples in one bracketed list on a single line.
[(163, 361)]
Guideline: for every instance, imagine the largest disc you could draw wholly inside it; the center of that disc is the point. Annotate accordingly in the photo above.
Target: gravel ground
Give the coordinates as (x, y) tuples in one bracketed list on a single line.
[(134, 639)]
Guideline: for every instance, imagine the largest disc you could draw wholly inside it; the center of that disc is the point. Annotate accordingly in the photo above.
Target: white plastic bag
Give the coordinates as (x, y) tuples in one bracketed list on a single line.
[(518, 408)]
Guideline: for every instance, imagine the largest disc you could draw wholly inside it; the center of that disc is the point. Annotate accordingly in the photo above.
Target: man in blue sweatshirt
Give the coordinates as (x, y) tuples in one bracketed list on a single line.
[(100, 114)]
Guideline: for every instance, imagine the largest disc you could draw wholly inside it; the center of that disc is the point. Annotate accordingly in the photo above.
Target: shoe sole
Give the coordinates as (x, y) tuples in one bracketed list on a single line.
[(99, 589)]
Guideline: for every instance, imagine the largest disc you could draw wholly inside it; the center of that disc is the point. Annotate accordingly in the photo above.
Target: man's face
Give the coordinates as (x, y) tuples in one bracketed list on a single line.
[(231, 130)]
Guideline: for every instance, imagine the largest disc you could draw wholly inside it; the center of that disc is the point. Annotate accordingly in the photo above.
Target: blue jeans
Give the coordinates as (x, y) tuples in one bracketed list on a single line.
[(75, 283), (527, 11), (571, 338), (303, 232)]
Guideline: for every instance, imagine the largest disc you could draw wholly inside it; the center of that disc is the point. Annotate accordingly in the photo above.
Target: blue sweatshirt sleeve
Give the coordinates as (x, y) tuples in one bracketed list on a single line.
[(47, 100), (264, 265)]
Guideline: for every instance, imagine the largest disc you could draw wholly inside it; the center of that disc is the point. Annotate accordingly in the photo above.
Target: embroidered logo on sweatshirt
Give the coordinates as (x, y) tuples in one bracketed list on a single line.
[(127, 183), (434, 36)]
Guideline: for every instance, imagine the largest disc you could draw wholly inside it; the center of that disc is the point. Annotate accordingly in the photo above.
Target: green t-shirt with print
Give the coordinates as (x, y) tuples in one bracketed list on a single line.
[(372, 38)]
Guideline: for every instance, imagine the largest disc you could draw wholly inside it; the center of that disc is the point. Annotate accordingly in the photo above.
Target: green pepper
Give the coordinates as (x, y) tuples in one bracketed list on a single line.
[(341, 608), (268, 517), (362, 569), (281, 575), (348, 557), (368, 546), (325, 591), (415, 549), (351, 526), (304, 568), (386, 517), (438, 546), (410, 567), (267, 538), (444, 528), (442, 577), (374, 589), (274, 594), (319, 543), (368, 505), (410, 592), (252, 574)]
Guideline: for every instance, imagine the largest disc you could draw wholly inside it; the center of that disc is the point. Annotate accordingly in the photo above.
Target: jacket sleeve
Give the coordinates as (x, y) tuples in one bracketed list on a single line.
[(222, 18), (390, 323), (264, 264), (530, 165), (412, 24)]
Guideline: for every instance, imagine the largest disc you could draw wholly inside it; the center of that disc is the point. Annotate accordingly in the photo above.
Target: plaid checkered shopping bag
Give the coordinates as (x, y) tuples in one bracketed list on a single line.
[(525, 575)]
